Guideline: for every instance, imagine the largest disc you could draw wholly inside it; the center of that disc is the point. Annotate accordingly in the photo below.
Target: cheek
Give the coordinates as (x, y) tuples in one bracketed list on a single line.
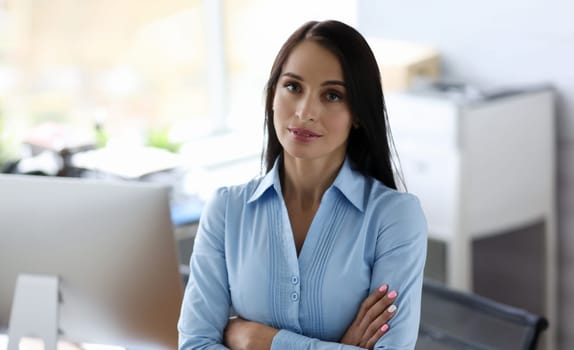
[(342, 130), (282, 110), (277, 121), (342, 123), (277, 108), (279, 102), (274, 104)]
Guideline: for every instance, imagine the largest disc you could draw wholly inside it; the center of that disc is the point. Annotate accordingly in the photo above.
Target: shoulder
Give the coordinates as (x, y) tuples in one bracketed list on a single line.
[(381, 197), (391, 208), (391, 200), (225, 203), (233, 196)]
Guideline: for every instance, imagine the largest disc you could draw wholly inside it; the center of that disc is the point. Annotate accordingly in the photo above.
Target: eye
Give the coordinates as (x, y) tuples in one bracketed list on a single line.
[(292, 86), (333, 96)]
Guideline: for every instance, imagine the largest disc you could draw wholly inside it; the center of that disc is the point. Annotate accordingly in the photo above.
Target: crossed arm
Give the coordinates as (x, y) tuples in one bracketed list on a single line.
[(368, 326)]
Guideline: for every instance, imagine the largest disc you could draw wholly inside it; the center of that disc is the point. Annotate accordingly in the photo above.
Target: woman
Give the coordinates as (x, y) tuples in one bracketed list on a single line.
[(323, 250)]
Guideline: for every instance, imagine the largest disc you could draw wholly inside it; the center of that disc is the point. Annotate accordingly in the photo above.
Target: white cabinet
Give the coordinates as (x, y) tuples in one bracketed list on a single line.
[(480, 167)]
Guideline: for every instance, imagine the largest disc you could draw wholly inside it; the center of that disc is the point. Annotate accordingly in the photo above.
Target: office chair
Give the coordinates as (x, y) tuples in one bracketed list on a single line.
[(452, 319)]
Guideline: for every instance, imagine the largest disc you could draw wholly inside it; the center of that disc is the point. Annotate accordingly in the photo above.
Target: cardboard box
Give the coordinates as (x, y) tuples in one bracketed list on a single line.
[(402, 62)]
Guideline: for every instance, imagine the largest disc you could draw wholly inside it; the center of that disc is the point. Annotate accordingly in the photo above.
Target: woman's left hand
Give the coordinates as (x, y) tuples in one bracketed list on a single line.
[(246, 335), (370, 323)]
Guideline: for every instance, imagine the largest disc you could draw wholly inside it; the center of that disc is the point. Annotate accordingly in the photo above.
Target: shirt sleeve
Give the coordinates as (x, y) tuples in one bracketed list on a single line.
[(287, 340), (206, 301), (399, 263)]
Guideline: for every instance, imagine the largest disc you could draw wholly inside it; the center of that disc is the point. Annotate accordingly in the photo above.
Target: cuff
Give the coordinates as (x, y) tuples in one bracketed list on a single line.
[(286, 340)]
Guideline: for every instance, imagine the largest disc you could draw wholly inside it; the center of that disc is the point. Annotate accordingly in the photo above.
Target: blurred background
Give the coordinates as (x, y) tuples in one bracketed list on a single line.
[(188, 76)]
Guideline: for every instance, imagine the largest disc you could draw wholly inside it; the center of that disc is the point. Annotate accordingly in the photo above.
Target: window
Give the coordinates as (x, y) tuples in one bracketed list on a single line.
[(193, 67)]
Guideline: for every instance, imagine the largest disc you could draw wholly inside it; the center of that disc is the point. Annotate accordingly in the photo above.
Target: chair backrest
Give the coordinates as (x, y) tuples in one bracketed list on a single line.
[(452, 319)]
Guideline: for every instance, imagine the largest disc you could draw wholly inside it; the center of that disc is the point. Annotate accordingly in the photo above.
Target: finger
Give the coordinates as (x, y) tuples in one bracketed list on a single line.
[(378, 334), (377, 309), (359, 322), (234, 320), (377, 325), (371, 300)]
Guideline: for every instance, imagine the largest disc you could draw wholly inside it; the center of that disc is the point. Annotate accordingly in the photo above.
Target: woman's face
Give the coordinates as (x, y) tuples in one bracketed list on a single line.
[(310, 109)]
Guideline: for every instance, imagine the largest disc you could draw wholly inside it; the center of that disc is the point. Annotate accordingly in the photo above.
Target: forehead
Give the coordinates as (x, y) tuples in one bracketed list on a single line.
[(311, 60)]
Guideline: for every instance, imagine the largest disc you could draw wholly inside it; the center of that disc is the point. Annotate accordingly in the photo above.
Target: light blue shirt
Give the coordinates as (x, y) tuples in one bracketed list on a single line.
[(363, 235)]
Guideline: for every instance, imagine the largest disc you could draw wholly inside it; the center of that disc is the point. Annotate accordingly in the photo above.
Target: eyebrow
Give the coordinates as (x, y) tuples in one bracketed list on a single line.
[(325, 83)]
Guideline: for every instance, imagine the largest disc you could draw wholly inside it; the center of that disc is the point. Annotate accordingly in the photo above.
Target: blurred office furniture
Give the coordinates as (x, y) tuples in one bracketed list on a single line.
[(131, 164), (403, 63), (108, 254), (127, 162), (153, 165), (50, 146), (483, 165), (451, 319)]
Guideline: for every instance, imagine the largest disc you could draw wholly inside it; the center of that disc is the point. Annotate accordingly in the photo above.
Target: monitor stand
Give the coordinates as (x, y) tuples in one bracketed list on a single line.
[(34, 310)]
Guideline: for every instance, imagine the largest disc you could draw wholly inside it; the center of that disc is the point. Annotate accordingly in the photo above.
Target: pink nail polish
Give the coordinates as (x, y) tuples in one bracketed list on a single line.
[(384, 328), (392, 294), (383, 288)]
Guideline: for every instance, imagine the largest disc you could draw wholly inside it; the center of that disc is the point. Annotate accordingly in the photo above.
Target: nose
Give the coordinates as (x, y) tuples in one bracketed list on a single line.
[(307, 109)]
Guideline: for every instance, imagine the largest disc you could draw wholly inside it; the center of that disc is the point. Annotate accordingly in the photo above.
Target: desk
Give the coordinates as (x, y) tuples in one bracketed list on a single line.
[(480, 168), (34, 344)]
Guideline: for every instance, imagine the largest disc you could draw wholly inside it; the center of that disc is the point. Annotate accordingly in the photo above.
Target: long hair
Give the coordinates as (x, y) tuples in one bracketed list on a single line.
[(368, 146)]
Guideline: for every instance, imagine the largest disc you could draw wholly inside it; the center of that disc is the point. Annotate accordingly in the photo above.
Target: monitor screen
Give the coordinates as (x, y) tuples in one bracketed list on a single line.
[(112, 247)]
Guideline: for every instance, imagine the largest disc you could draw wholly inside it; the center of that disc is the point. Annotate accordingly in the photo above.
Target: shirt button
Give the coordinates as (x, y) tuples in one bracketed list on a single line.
[(294, 296), (294, 279)]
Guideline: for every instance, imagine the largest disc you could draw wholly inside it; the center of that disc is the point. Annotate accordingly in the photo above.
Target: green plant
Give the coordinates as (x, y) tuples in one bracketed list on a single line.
[(101, 137), (159, 138)]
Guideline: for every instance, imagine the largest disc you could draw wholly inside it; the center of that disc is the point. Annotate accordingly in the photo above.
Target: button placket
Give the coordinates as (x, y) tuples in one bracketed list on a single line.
[(295, 294)]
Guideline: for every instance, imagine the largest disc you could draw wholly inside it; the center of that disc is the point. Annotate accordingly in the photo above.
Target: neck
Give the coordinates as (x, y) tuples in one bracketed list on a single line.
[(305, 181)]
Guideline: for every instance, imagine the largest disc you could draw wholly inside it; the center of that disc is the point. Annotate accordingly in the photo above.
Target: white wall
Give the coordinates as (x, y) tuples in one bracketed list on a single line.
[(499, 43)]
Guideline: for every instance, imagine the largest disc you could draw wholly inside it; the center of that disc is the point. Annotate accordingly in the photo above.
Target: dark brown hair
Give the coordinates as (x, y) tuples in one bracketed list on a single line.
[(368, 145)]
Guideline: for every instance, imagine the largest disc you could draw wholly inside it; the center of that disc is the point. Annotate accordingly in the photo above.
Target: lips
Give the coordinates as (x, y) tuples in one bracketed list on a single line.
[(302, 132)]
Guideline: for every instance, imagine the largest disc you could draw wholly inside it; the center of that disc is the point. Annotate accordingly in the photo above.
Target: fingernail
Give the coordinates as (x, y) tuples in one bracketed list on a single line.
[(383, 288), (392, 294), (392, 308), (384, 328)]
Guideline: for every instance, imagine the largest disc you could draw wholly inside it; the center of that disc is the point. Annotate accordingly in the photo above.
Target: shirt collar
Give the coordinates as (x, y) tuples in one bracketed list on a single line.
[(271, 179), (349, 182)]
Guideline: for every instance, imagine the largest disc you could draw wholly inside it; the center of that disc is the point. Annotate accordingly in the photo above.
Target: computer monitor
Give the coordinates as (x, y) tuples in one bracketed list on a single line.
[(112, 247)]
